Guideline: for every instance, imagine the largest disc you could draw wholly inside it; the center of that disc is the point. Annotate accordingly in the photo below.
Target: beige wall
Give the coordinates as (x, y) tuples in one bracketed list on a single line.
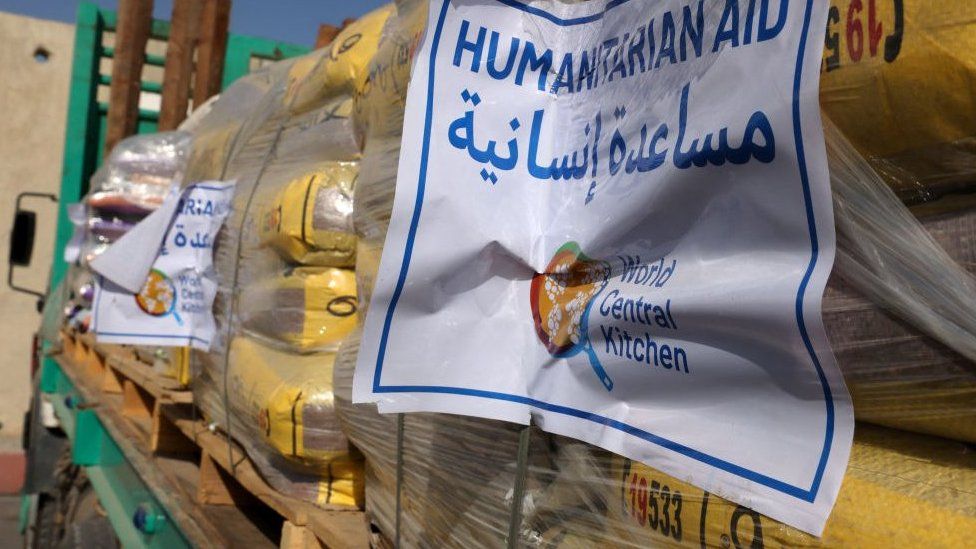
[(33, 109)]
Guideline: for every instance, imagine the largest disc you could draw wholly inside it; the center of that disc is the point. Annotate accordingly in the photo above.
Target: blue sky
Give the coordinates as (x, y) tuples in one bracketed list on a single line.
[(295, 21)]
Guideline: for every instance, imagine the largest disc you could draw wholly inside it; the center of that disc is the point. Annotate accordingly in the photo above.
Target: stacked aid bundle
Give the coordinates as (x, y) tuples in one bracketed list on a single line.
[(135, 179), (287, 295), (899, 313), (138, 175)]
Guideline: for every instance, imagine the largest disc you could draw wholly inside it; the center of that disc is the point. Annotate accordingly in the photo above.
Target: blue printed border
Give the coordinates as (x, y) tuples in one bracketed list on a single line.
[(808, 495), (188, 338)]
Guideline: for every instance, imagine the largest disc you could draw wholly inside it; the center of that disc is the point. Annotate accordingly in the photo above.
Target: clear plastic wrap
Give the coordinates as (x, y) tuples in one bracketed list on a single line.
[(138, 174), (898, 311), (900, 308), (459, 478), (378, 117), (132, 182), (286, 295), (308, 308), (216, 134)]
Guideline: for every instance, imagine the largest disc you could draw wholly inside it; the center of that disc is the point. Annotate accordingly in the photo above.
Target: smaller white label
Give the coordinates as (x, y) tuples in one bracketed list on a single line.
[(175, 305)]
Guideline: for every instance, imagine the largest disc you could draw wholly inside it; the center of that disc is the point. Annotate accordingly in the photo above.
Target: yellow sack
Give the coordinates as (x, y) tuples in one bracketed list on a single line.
[(899, 79), (308, 307), (210, 152), (288, 400), (310, 219), (901, 490), (337, 69), (380, 99)]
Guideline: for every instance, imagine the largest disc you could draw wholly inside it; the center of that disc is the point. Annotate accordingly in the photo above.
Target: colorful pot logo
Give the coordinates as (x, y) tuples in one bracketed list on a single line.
[(561, 298), (158, 295)]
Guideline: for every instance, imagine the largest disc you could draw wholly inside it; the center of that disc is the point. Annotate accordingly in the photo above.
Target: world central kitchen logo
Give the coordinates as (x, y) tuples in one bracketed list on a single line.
[(158, 296), (562, 297)]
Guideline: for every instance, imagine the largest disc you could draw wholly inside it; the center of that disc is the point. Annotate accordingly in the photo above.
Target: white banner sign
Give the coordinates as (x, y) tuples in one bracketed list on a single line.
[(614, 218), (174, 306)]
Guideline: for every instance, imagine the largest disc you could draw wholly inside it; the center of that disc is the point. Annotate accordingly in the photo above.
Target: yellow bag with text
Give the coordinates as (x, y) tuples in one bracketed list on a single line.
[(337, 69), (378, 121), (289, 400), (310, 219), (894, 480), (899, 79), (307, 307), (900, 490)]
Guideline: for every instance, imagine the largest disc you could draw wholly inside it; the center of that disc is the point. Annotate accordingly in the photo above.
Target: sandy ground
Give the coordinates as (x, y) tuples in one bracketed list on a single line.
[(9, 509)]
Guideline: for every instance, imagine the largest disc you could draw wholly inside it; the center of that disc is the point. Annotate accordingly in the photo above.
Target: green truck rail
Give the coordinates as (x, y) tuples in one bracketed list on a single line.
[(134, 510)]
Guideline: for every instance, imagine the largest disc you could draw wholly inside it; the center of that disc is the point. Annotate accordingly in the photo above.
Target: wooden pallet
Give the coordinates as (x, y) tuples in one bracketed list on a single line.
[(188, 464)]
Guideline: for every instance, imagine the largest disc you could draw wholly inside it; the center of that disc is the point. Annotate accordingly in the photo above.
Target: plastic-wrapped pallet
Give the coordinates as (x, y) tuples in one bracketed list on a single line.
[(899, 314), (137, 176), (132, 182), (232, 386), (898, 377), (286, 295), (896, 483)]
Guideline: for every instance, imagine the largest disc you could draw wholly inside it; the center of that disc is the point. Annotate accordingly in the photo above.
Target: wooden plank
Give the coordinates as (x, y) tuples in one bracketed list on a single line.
[(294, 536), (163, 388), (159, 427), (213, 487), (131, 36), (243, 470), (126, 435), (178, 71), (340, 529), (241, 525), (165, 437), (67, 343), (212, 50), (112, 381), (94, 361), (124, 351), (80, 351), (136, 401)]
